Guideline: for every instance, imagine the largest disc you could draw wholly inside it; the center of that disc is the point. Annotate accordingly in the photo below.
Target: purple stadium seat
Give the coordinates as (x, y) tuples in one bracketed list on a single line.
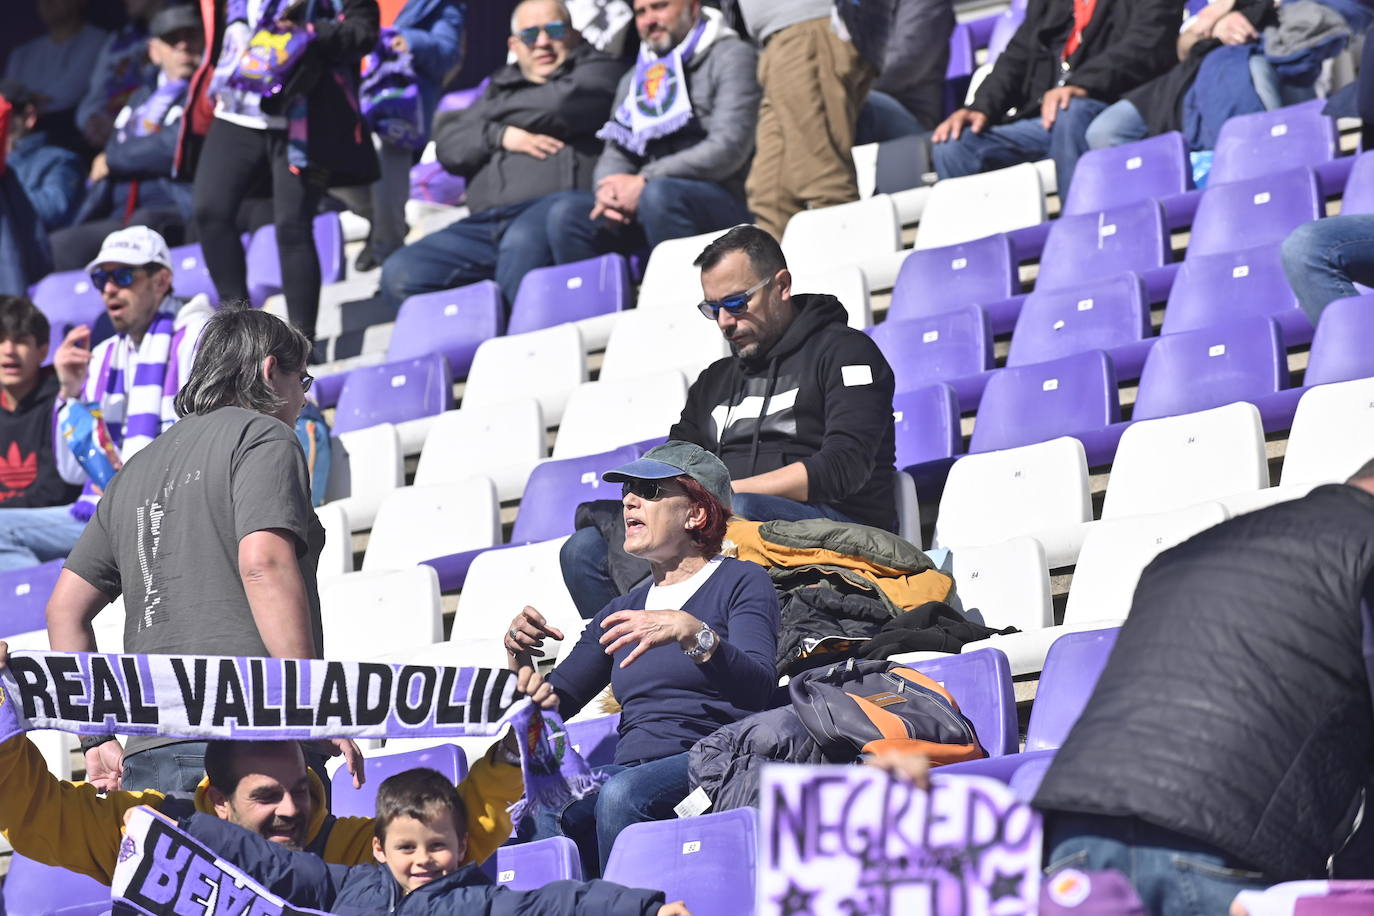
[(570, 292), (33, 889), (709, 861), (1270, 141), (407, 389), (953, 347), (961, 66), (927, 424), (1002, 30), (1109, 178), (67, 300), (555, 488), (596, 739), (529, 866), (1070, 396), (190, 276), (264, 266), (980, 682), (99, 908), (1025, 781), (1072, 667), (1340, 347), (1241, 360), (1111, 314), (459, 99), (24, 597), (453, 322), (1090, 246), (935, 280), (347, 801), (1253, 212), (1213, 288), (1359, 190)]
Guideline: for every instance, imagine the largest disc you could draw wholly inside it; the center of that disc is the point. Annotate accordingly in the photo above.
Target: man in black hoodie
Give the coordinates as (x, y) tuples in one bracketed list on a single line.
[(800, 414), (28, 473)]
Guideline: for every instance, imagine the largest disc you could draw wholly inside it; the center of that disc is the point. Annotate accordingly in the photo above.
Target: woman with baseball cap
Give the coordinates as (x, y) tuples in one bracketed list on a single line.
[(685, 654)]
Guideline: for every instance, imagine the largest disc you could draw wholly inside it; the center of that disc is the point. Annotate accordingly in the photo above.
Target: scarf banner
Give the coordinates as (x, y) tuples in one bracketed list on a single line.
[(555, 773), (854, 840), (163, 872), (189, 696)]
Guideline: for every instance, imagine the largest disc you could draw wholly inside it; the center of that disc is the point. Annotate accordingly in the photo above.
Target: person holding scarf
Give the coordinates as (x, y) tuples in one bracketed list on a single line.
[(679, 144), (301, 139)]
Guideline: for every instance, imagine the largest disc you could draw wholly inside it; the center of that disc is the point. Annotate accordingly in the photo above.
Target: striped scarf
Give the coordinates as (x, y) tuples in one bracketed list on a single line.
[(134, 391)]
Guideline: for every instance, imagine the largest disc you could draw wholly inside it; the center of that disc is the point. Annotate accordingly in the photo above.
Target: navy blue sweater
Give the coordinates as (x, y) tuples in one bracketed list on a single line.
[(669, 702)]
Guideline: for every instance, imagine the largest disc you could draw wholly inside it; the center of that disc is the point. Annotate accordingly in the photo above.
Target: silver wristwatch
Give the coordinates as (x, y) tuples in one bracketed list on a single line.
[(706, 641)]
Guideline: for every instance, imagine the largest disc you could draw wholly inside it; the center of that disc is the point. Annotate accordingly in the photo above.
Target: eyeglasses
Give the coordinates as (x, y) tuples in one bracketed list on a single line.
[(556, 30), (652, 490), (123, 277), (732, 304), (306, 381)]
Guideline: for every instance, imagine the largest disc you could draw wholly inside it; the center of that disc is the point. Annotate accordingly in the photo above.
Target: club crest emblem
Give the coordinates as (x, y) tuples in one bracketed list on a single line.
[(657, 91), (127, 849)]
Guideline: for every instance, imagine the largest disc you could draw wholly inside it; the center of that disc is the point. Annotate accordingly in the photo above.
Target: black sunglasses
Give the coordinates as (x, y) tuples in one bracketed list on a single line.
[(652, 490), (306, 381), (556, 30), (732, 304), (123, 277)]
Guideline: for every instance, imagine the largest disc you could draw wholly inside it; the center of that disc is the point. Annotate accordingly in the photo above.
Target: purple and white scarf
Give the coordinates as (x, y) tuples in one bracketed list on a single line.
[(555, 773), (152, 113)]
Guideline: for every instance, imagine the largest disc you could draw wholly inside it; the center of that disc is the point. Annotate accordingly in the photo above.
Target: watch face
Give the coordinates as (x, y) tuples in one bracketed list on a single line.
[(706, 639)]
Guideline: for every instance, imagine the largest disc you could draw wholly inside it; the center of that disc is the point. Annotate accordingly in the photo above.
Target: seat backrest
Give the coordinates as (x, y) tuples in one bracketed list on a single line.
[(264, 264), (1116, 551), (1096, 315), (347, 801), (488, 602), (1144, 170), (1215, 288), (547, 365), (993, 496), (935, 348), (961, 59), (24, 596), (595, 739), (423, 522), (366, 614), (1131, 237), (645, 341), (191, 276), (1332, 434), (709, 862), (935, 280), (1060, 397), (67, 299), (1194, 370), (337, 556), (1340, 345), (453, 322), (670, 279), (571, 292), (843, 234), (846, 283), (394, 392), (962, 209), (555, 488), (376, 453), (606, 415), (1255, 211), (1007, 582), (529, 866), (1002, 30), (1173, 462), (500, 441), (34, 889), (1359, 187), (1268, 141), (908, 507), (1072, 667), (926, 423), (980, 682)]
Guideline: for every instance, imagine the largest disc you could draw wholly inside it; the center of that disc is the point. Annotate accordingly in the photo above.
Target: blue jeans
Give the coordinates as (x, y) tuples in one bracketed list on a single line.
[(632, 795), (1022, 140), (884, 118), (504, 243), (1324, 260), (170, 768), (669, 208), (1173, 874), (1118, 125), (32, 536)]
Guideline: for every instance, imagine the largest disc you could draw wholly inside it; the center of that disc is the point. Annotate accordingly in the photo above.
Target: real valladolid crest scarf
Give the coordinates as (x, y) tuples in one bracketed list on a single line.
[(555, 773), (657, 104)]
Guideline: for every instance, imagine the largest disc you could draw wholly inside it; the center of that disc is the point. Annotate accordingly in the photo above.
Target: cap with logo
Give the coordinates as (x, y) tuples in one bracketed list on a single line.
[(675, 458), (135, 246)]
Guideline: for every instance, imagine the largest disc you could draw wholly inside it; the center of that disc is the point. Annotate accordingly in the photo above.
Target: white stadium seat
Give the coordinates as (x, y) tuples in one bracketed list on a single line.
[(500, 441), (670, 281), (908, 508), (962, 209), (420, 523), (546, 365), (604, 415), (381, 469), (847, 283), (1008, 583), (856, 233), (501, 582), (337, 556), (366, 614), (1332, 434), (646, 341)]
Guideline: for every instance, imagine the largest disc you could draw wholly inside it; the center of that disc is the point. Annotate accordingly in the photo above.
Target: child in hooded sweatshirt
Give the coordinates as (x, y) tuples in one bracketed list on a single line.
[(420, 841)]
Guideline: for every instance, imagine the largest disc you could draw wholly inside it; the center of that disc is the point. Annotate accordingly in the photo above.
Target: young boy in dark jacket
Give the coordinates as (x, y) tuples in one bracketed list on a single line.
[(420, 841)]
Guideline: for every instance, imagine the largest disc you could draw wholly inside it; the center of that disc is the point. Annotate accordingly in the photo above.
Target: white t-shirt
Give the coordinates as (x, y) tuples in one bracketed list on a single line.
[(673, 597)]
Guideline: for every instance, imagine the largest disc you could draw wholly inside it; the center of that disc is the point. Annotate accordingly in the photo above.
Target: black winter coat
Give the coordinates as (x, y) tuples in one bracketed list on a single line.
[(1126, 43), (1235, 708)]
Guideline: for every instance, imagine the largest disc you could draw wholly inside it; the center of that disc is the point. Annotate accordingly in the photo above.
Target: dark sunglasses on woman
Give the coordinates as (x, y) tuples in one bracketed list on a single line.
[(651, 490)]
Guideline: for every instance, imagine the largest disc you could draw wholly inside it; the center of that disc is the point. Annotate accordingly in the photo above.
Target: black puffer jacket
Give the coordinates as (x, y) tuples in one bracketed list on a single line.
[(1236, 707)]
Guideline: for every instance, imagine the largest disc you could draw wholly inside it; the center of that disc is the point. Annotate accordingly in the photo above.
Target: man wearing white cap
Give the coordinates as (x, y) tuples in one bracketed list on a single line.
[(113, 399)]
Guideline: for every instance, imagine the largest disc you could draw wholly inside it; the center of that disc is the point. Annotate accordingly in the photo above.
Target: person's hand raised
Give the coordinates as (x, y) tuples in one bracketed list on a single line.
[(525, 637), (72, 361), (648, 629)]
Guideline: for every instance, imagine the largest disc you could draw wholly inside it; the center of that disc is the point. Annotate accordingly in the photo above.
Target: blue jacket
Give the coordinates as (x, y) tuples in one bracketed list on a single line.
[(52, 177), (434, 31), (303, 879)]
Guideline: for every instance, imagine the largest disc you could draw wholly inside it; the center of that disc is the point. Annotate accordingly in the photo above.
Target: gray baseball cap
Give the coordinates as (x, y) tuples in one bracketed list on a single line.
[(674, 458)]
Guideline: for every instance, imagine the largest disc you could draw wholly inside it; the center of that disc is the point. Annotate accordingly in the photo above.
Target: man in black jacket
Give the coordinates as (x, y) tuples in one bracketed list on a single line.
[(531, 134), (800, 414), (1228, 741), (28, 473), (1065, 64)]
